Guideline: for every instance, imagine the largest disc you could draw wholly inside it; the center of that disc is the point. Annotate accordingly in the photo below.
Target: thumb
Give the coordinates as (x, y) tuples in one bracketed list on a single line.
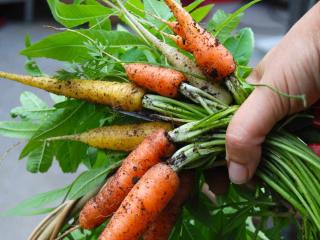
[(247, 131)]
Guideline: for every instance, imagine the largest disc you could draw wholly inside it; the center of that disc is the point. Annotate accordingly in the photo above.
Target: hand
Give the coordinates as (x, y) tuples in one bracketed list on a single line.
[(292, 67)]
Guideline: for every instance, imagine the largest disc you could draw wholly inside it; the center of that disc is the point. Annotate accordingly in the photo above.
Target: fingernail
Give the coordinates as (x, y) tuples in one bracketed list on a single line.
[(238, 173)]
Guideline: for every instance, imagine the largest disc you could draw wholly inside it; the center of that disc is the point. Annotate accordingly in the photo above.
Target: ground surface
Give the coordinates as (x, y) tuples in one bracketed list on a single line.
[(17, 184)]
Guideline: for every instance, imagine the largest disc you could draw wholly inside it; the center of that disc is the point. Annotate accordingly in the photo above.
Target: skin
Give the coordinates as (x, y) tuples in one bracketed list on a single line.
[(293, 66), (143, 204), (150, 152), (163, 81)]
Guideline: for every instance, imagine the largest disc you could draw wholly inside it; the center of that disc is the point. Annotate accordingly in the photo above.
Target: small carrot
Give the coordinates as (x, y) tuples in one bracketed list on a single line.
[(126, 96), (163, 81), (181, 61), (143, 204), (161, 228), (152, 149), (116, 137), (211, 56)]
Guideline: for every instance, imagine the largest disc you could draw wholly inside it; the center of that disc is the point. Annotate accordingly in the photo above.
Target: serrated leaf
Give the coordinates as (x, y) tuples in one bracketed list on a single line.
[(40, 159), (72, 15), (241, 46), (33, 108), (36, 202), (200, 13), (70, 46), (24, 130), (89, 180)]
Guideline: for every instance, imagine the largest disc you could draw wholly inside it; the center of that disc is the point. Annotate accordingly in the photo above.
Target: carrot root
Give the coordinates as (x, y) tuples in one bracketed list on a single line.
[(143, 204), (126, 96), (148, 153), (163, 81)]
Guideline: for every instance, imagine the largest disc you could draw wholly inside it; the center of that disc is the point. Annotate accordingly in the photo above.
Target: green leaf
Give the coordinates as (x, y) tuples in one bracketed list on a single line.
[(241, 46), (157, 8), (33, 108), (72, 15), (89, 180), (218, 20), (230, 21), (24, 130), (31, 66), (30, 205), (101, 23), (70, 46), (193, 5), (200, 13), (40, 159)]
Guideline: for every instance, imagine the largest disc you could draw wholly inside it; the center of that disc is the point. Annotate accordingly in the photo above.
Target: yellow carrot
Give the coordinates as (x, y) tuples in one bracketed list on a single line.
[(126, 96), (117, 137)]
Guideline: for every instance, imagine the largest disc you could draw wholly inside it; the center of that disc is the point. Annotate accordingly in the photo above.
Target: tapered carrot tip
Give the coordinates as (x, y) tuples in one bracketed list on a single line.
[(143, 204), (163, 81)]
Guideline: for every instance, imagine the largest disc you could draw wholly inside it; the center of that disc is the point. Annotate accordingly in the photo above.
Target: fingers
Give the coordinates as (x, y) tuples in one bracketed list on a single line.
[(247, 131)]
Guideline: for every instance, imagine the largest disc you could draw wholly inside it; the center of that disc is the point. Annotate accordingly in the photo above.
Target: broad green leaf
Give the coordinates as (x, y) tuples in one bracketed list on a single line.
[(193, 5), (241, 46), (89, 180), (24, 130), (36, 202), (72, 15), (40, 159), (218, 19), (228, 22), (157, 8), (70, 46), (33, 108), (30, 100), (200, 13), (101, 23)]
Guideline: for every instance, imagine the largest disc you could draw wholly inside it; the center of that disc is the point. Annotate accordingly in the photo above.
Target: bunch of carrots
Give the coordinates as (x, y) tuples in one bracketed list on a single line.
[(144, 197)]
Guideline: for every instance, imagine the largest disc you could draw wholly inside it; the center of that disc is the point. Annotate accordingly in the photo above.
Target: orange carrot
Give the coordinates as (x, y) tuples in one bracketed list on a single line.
[(126, 96), (161, 228), (163, 81), (148, 153), (211, 56), (143, 204)]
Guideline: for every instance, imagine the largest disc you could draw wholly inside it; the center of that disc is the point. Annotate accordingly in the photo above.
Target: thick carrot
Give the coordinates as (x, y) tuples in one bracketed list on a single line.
[(143, 204), (161, 228), (211, 56), (148, 153), (126, 96), (116, 137), (164, 81), (181, 62)]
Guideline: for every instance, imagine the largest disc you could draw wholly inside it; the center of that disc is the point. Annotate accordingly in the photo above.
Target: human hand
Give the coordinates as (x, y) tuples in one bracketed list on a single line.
[(292, 67)]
